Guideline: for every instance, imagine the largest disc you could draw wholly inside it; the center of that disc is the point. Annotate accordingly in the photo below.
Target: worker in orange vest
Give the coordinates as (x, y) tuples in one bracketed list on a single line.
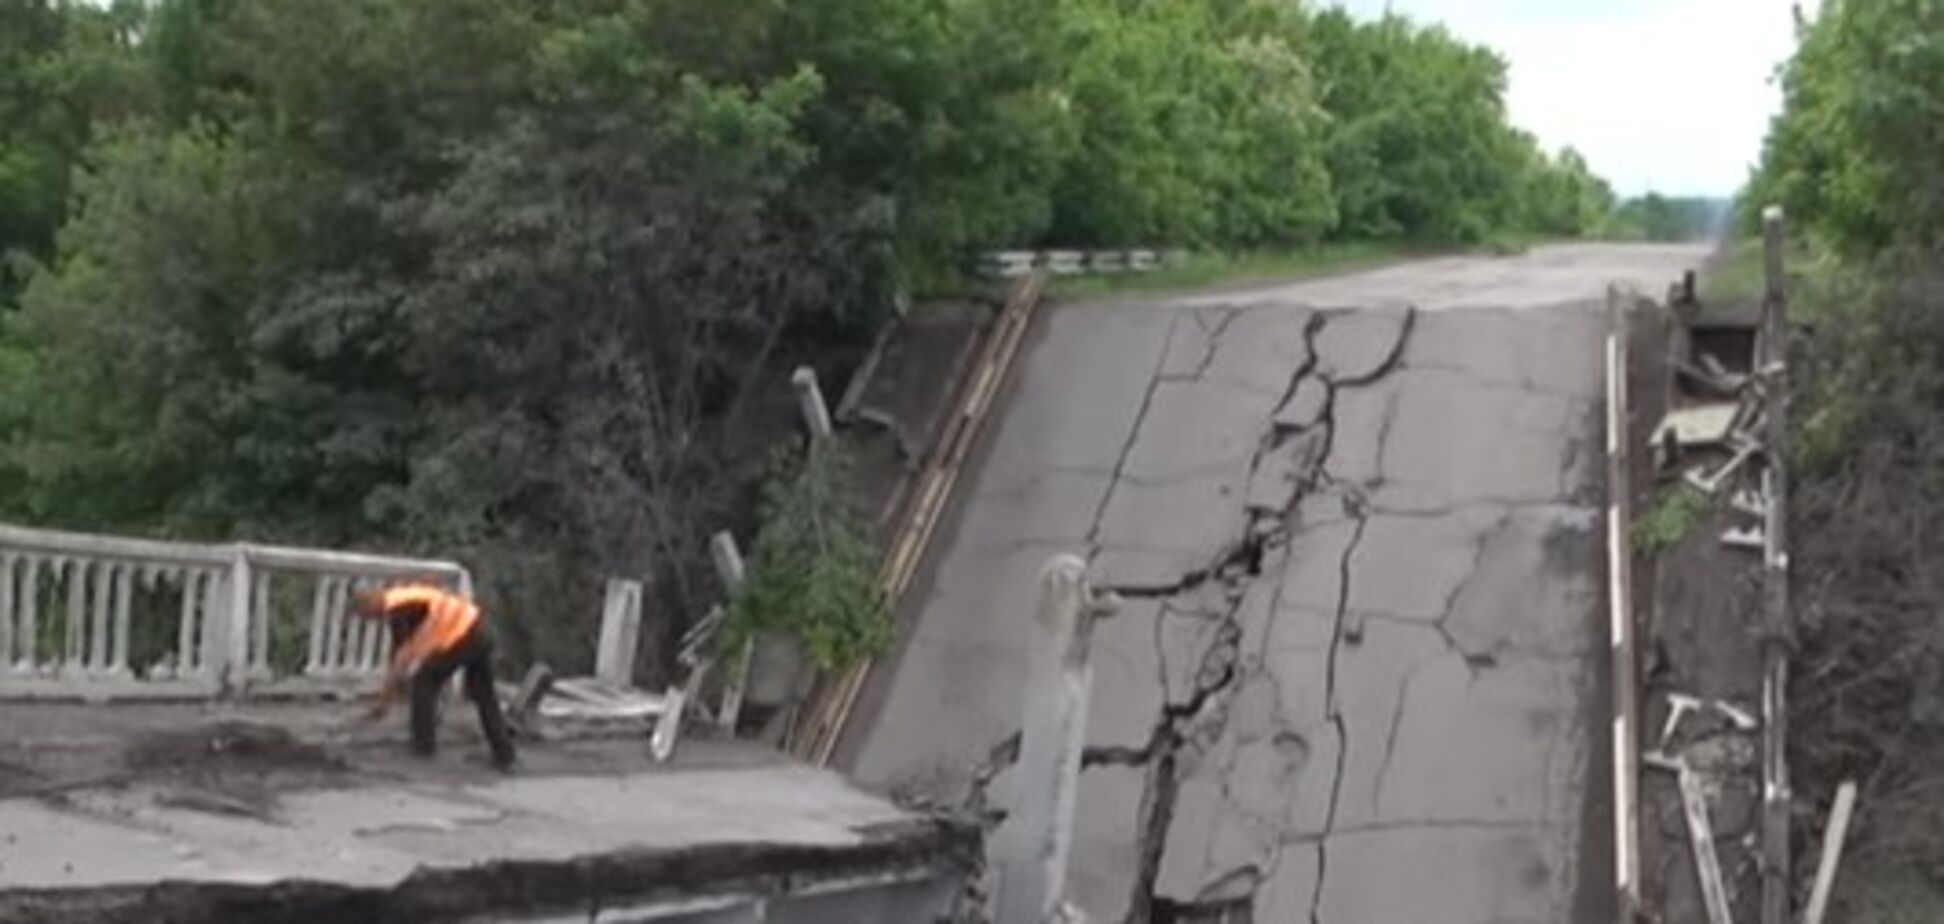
[(434, 634)]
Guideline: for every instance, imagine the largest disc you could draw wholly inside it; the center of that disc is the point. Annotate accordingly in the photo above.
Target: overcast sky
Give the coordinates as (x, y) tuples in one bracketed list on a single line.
[(1664, 95)]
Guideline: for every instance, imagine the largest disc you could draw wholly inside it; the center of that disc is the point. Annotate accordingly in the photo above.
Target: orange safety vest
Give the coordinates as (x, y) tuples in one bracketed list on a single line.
[(448, 618)]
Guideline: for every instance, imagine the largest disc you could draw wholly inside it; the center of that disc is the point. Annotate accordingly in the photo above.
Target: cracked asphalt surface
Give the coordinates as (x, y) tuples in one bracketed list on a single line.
[(1359, 674)]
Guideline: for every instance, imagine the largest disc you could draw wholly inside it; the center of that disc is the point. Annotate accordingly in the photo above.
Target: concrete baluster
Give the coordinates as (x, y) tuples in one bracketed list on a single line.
[(126, 577), (29, 635), (233, 661), (261, 618), (371, 637), (320, 610), (188, 645), (334, 630), (210, 664), (7, 562), (76, 572), (102, 586), (620, 636)]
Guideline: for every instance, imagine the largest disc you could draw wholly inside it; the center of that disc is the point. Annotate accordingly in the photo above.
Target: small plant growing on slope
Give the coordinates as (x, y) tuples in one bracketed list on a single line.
[(1676, 513), (812, 573)]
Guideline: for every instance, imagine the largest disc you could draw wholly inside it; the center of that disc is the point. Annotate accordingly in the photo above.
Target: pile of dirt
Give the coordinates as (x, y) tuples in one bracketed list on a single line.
[(232, 767)]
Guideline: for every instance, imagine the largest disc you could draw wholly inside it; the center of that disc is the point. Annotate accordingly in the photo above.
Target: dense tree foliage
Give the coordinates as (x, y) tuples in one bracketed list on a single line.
[(514, 280), (1853, 153)]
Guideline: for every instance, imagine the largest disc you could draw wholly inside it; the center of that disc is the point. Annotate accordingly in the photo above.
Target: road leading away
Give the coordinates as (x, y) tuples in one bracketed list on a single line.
[(1360, 672)]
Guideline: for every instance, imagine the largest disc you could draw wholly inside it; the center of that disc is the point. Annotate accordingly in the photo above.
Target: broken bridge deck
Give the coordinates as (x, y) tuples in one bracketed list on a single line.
[(277, 811), (1361, 673)]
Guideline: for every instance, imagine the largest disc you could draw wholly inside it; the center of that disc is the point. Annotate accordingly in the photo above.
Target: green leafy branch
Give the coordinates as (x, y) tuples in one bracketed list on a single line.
[(812, 573)]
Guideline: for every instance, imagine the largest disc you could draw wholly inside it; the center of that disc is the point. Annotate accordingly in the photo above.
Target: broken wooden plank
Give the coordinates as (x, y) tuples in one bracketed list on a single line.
[(1707, 863), (1711, 482), (1832, 852), (1721, 384), (1743, 537)]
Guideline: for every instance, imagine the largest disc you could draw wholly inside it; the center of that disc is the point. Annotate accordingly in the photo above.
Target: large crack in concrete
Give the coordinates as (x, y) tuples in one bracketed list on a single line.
[(1331, 710), (1294, 471)]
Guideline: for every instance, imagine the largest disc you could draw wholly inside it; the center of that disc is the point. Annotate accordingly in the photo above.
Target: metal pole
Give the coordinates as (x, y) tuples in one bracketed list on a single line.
[(1777, 628)]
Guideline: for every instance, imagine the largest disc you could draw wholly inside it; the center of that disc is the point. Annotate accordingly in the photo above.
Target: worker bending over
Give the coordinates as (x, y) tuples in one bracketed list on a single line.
[(435, 633)]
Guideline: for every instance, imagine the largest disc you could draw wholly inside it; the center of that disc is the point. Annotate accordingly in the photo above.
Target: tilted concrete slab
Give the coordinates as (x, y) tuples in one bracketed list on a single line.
[(1387, 706)]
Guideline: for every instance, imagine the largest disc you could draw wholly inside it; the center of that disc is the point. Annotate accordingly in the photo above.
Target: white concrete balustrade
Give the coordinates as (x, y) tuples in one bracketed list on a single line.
[(100, 617)]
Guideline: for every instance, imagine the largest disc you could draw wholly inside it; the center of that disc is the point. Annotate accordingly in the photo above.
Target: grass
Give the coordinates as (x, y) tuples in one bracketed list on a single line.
[(1676, 513), (1737, 273), (1205, 269), (1736, 276)]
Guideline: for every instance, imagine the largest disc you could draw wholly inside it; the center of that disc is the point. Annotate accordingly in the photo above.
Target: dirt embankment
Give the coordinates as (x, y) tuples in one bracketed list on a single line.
[(1867, 687)]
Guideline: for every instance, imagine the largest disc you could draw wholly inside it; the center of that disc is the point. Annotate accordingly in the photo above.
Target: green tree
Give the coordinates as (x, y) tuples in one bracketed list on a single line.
[(515, 280), (1421, 147), (64, 68)]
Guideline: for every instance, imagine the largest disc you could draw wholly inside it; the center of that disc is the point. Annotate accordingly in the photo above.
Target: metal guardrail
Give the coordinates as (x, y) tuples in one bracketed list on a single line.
[(104, 617), (819, 727), (1623, 635)]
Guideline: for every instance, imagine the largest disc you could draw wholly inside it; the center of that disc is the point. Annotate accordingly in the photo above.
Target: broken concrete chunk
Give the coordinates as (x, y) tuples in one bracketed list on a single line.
[(1357, 344), (1703, 425), (1304, 408), (1281, 472)]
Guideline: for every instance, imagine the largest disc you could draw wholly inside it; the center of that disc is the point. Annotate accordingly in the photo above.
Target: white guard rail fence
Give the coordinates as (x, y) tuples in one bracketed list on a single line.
[(103, 617), (1013, 264)]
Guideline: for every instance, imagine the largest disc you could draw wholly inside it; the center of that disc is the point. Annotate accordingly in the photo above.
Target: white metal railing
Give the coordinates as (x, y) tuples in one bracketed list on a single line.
[(108, 617), (1012, 264)]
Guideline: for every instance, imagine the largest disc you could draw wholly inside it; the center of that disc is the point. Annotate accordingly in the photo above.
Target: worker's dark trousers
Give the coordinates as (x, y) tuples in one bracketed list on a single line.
[(474, 653)]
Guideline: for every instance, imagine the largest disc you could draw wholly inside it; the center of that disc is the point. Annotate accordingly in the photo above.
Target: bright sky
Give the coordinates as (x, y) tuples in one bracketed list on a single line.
[(1665, 95)]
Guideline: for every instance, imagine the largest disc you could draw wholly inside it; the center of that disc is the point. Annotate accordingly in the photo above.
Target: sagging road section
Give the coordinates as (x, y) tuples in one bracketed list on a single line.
[(1360, 675)]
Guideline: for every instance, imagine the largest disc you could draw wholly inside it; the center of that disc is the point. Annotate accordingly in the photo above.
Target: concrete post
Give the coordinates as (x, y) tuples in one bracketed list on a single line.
[(729, 567), (235, 650), (816, 415), (1029, 850), (614, 658), (728, 560)]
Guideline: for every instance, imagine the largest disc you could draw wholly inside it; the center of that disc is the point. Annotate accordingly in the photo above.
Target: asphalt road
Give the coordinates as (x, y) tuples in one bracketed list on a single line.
[(1387, 703)]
